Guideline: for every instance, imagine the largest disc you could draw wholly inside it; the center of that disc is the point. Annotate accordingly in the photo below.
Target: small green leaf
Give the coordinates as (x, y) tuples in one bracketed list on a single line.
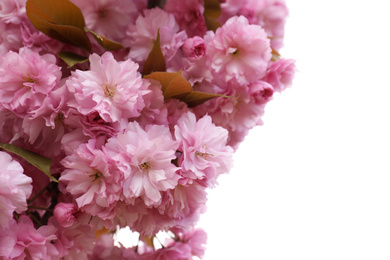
[(40, 162), (155, 60), (71, 58), (197, 97), (109, 45)]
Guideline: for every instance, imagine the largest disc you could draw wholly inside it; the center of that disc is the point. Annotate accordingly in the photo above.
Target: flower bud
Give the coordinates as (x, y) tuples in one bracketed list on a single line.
[(63, 213), (194, 48)]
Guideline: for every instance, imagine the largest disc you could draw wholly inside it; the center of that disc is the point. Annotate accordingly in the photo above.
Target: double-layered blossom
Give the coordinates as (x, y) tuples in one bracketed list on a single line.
[(26, 78), (189, 15), (142, 35), (113, 89), (145, 156), (20, 240), (92, 178), (205, 154), (241, 112), (280, 74), (239, 51), (15, 188), (108, 17)]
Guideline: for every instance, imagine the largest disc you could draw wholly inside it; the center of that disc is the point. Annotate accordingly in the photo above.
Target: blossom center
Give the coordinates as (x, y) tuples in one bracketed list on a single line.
[(109, 90), (96, 175), (203, 155), (145, 167), (27, 79), (102, 13)]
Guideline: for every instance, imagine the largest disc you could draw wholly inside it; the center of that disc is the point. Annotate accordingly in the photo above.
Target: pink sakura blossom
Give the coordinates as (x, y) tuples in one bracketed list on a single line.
[(196, 239), (108, 17), (74, 242), (273, 19), (15, 188), (269, 14), (177, 251), (155, 112), (184, 204), (205, 154), (93, 179), (113, 89), (142, 35), (20, 240), (239, 51), (12, 11), (26, 79), (240, 113), (280, 74), (189, 15), (145, 155)]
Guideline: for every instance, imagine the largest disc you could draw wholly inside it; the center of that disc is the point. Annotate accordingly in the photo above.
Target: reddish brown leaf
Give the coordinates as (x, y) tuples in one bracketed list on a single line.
[(59, 19), (212, 11), (173, 84), (197, 97), (106, 43), (155, 60)]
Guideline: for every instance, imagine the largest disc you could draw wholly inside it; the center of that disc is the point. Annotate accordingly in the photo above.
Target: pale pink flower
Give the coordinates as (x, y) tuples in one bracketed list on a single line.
[(280, 74), (184, 204), (273, 20), (15, 188), (241, 112), (142, 218), (26, 79), (143, 33), (93, 179), (74, 242), (155, 111), (64, 214), (205, 154), (10, 38), (12, 11), (145, 156), (239, 51), (176, 251), (189, 15), (108, 17), (196, 239), (20, 240), (113, 89)]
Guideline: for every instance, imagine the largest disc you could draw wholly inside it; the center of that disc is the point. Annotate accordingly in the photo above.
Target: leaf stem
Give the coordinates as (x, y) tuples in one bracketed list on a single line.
[(39, 193)]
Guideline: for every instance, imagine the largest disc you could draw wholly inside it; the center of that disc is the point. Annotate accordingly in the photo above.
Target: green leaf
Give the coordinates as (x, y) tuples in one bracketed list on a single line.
[(104, 42), (212, 11), (173, 84), (197, 97), (71, 58), (59, 19), (155, 60), (40, 162)]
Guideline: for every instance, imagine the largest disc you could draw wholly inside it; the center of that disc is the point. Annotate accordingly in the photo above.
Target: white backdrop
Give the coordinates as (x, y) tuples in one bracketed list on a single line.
[(314, 181)]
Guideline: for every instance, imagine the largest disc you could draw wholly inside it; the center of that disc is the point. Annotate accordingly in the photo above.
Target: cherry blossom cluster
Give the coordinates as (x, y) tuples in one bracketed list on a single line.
[(125, 155)]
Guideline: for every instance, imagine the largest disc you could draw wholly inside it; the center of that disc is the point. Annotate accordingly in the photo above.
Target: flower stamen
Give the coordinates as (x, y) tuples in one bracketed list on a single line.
[(95, 175), (203, 155), (145, 167), (109, 90)]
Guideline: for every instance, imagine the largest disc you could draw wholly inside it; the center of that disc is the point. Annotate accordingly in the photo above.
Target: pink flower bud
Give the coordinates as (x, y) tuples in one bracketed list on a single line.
[(194, 48), (63, 212)]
